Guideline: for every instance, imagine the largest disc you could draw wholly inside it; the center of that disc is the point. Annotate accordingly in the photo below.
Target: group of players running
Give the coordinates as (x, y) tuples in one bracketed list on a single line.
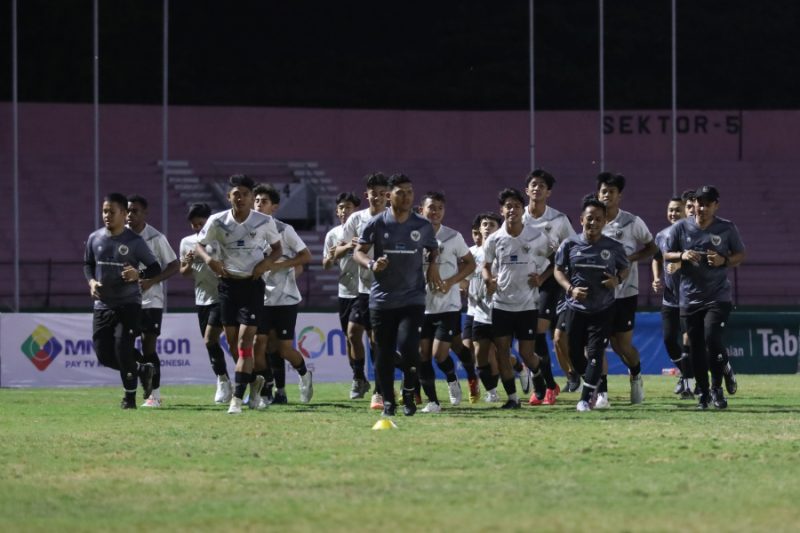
[(402, 274)]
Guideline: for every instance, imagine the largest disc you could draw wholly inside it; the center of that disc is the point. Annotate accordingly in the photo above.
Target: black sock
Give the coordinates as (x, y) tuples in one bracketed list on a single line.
[(510, 386), (449, 368), (358, 369), (153, 359), (485, 373), (687, 369), (217, 358), (278, 369), (636, 369), (517, 366), (301, 369), (547, 372), (467, 361), (603, 386), (242, 379), (427, 380)]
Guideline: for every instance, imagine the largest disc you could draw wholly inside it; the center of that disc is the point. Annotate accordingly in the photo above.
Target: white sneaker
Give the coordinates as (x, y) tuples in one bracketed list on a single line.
[(525, 380), (432, 407), (492, 396), (235, 407), (359, 389), (152, 401), (262, 403), (255, 392), (637, 389), (602, 401), (224, 390), (306, 387), (455, 392), (583, 406)]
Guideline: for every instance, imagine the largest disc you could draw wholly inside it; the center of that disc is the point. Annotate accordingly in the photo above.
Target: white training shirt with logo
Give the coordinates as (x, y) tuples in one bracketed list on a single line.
[(240, 246), (206, 283), (354, 227), (281, 285), (348, 269), (632, 232), (479, 305), (452, 248), (153, 298), (553, 223), (516, 258)]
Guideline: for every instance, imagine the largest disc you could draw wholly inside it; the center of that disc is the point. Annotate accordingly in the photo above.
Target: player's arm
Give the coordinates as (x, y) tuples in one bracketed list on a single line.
[(89, 265), (646, 252), (466, 266), (303, 257), (269, 260), (657, 267)]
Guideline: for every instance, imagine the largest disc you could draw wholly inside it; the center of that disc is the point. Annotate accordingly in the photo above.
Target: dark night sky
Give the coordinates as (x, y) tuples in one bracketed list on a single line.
[(433, 54)]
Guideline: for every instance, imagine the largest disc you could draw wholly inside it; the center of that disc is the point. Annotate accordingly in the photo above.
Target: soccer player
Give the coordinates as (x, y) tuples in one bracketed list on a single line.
[(275, 335), (152, 296), (520, 253), (241, 235), (111, 266), (346, 204), (377, 194), (206, 298), (443, 306), (557, 227), (399, 237), (707, 246), (590, 267), (669, 284), (632, 232)]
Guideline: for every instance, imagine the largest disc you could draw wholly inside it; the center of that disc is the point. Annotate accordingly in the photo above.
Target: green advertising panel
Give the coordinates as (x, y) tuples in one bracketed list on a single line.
[(763, 343)]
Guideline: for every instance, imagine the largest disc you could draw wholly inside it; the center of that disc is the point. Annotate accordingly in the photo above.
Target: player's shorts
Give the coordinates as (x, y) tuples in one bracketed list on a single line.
[(518, 324), (150, 321), (359, 313), (281, 318), (208, 315), (549, 295), (482, 332), (467, 329), (624, 314), (241, 301), (345, 308), (561, 319), (441, 326)]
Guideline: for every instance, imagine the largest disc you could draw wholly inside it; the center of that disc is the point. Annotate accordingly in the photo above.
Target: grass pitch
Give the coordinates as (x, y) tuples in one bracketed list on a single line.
[(70, 459)]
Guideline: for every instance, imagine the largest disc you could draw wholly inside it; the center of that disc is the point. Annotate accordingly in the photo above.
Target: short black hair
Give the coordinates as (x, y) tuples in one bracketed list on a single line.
[(434, 195), (198, 210), (348, 197), (676, 199), (138, 199), (688, 195), (376, 179), (610, 179), (241, 180), (117, 198), (593, 202), (510, 192), (269, 191), (491, 215), (548, 178), (395, 180)]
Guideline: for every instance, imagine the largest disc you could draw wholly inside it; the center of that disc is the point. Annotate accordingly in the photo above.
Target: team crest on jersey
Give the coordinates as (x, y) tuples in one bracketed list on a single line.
[(548, 228), (526, 248), (252, 234), (716, 240), (123, 250), (605, 254), (618, 234), (415, 235)]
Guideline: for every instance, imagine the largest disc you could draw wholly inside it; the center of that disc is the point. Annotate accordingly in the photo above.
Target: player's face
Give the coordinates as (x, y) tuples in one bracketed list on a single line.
[(402, 197), (137, 215), (705, 211), (377, 198), (433, 210), (477, 238), (264, 204), (609, 195), (689, 208), (512, 210), (537, 190), (344, 210), (592, 221), (488, 226), (113, 216), (197, 223), (674, 211), (241, 199)]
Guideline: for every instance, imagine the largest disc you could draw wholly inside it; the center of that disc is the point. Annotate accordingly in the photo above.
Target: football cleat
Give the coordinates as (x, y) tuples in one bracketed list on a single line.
[(359, 389), (376, 402), (601, 402), (454, 388), (224, 390), (432, 407), (583, 406), (511, 404), (551, 394), (637, 389), (474, 390), (306, 385), (235, 407)]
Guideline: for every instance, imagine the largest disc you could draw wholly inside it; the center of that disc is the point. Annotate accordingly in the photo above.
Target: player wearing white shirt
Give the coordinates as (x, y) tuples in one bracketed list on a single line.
[(346, 204), (241, 235), (520, 254), (206, 299), (152, 296), (276, 328), (443, 305), (632, 232), (377, 194)]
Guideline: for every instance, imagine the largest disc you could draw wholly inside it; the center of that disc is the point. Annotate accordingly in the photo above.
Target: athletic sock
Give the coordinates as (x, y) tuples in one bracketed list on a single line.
[(217, 358), (687, 369), (153, 359), (485, 374), (603, 386), (467, 361), (427, 380), (278, 369), (517, 366), (241, 379), (636, 370), (510, 386), (301, 368), (547, 372), (449, 368)]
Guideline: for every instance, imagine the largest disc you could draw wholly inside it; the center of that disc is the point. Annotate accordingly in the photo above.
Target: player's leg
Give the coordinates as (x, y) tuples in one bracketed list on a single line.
[(410, 322)]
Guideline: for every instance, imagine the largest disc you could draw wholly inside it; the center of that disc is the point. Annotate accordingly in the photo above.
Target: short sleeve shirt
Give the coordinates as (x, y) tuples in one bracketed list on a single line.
[(632, 232), (241, 246), (452, 248), (280, 286), (556, 226), (479, 304), (153, 298), (348, 269), (206, 282), (354, 227), (671, 296)]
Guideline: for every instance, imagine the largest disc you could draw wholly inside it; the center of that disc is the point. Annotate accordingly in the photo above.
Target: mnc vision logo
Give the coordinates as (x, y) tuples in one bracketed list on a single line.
[(311, 342), (41, 348)]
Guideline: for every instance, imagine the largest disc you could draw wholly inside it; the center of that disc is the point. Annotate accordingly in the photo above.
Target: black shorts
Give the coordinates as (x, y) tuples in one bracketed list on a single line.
[(467, 330), (208, 315), (518, 324), (589, 333), (128, 317), (561, 319), (241, 301), (624, 314), (549, 295), (359, 312), (345, 308), (441, 326), (281, 318), (150, 321), (482, 332)]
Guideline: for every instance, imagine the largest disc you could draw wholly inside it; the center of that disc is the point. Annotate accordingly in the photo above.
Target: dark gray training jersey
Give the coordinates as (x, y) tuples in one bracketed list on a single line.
[(671, 297), (402, 283), (105, 257)]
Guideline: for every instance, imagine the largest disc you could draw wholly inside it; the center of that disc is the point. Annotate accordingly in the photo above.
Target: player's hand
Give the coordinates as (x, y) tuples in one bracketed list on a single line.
[(218, 268), (261, 268), (580, 293), (189, 257), (381, 264), (692, 256), (130, 274), (671, 268), (657, 285), (611, 281), (145, 284), (534, 280), (94, 288), (714, 258), (491, 286)]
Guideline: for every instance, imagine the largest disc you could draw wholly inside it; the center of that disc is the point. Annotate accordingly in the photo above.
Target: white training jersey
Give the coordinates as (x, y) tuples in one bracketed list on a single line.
[(206, 283), (353, 227), (553, 223), (153, 298), (280, 285), (479, 305), (348, 269), (516, 258), (452, 248), (632, 232), (241, 246)]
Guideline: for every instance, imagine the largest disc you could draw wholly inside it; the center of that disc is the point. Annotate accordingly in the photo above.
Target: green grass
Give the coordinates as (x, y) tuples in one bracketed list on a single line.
[(70, 459)]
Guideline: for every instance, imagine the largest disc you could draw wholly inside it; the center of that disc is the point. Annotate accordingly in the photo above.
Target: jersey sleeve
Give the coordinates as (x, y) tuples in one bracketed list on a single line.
[(350, 226), (143, 254), (89, 262), (209, 232), (429, 242), (565, 229), (461, 248), (562, 257), (641, 234), (293, 240), (489, 250), (271, 234), (735, 243), (621, 260), (368, 234), (164, 252)]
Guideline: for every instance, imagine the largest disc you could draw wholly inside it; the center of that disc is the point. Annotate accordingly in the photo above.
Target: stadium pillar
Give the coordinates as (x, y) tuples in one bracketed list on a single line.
[(601, 46), (532, 88), (15, 127)]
